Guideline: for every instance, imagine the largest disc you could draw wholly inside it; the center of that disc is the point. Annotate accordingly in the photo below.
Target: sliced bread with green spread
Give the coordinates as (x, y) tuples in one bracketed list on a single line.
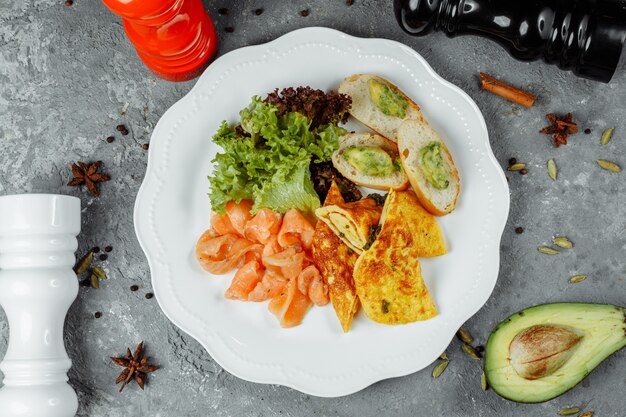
[(370, 160), (379, 104), (429, 166)]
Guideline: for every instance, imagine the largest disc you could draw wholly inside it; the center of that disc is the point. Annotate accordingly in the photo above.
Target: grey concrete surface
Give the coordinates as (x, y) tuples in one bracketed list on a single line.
[(65, 75)]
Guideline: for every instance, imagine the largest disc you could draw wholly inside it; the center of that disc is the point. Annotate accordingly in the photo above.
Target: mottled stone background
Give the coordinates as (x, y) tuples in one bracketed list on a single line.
[(66, 74)]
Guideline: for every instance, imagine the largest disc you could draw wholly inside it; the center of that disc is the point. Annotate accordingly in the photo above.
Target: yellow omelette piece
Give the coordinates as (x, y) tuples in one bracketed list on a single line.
[(388, 276), (335, 261)]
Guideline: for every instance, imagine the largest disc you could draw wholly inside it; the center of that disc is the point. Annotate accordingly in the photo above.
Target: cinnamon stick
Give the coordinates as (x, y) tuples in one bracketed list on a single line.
[(507, 91)]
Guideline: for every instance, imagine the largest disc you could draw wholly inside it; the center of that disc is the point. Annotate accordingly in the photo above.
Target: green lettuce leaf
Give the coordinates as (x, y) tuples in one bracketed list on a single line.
[(270, 162)]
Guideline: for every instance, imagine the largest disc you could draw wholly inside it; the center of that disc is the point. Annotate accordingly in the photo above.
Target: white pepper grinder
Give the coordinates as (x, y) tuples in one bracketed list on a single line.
[(37, 286)]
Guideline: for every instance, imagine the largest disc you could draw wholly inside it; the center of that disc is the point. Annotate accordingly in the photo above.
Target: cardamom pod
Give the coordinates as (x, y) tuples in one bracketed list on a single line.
[(438, 370), (471, 352), (84, 263), (607, 135), (464, 336), (517, 167), (483, 382), (569, 411), (577, 278), (552, 169), (587, 414), (547, 250), (563, 242), (443, 356), (95, 282), (608, 165), (99, 272)]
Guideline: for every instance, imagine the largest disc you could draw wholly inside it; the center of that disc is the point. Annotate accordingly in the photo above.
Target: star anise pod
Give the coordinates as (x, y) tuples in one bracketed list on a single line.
[(560, 127), (136, 367), (88, 175)]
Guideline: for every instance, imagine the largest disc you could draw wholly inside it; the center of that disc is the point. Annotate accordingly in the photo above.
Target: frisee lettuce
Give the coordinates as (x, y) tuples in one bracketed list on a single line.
[(270, 164)]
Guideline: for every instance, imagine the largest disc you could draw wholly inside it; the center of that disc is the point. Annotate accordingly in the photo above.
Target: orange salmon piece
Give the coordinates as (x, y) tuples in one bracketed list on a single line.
[(290, 305), (245, 280), (295, 231), (270, 286), (310, 283), (262, 226), (221, 225), (239, 214), (220, 254), (287, 263)]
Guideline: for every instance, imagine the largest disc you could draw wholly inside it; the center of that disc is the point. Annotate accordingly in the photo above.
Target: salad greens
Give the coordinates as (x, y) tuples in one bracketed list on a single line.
[(267, 159)]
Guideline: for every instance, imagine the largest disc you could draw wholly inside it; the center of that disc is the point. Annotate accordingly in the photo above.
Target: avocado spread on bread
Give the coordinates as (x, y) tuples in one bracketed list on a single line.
[(432, 166), (388, 100)]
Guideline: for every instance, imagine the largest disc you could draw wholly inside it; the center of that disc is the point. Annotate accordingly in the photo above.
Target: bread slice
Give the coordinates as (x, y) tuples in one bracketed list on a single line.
[(397, 181), (365, 110), (413, 135)]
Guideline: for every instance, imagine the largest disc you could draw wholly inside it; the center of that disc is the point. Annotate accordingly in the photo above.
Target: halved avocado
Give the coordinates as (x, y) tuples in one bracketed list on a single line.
[(555, 346)]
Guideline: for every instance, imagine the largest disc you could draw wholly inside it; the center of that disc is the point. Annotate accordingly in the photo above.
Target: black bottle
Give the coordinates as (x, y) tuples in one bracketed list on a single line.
[(584, 36)]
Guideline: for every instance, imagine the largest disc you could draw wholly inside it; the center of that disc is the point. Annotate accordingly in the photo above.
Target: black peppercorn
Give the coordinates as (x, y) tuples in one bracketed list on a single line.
[(523, 171), (134, 287), (108, 248), (519, 230), (68, 3), (304, 13), (95, 249), (149, 295), (258, 12), (229, 29), (587, 131), (222, 10), (512, 161), (97, 314), (145, 146), (104, 257), (110, 139)]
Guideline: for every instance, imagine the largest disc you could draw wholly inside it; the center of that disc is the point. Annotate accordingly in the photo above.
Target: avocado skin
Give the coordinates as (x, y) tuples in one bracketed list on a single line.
[(549, 307)]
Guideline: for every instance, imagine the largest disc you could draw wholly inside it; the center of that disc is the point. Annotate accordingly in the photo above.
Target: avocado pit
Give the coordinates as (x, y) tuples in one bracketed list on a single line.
[(540, 350)]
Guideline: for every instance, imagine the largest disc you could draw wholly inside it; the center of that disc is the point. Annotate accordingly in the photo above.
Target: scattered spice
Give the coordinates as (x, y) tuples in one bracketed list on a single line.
[(519, 230), (569, 411), (587, 131), (108, 248), (229, 29), (349, 2), (145, 146), (552, 169), (563, 242), (443, 356), (94, 281), (607, 135), (608, 165), (471, 351), (136, 367), (523, 171), (104, 257), (507, 91), (438, 370), (512, 161), (110, 139), (546, 250), (84, 263), (149, 295), (483, 382), (122, 129), (95, 249), (99, 272), (480, 348), (304, 13), (258, 12), (464, 336), (577, 278), (134, 287), (560, 127), (88, 175), (97, 314), (222, 11), (68, 3), (587, 414), (518, 166)]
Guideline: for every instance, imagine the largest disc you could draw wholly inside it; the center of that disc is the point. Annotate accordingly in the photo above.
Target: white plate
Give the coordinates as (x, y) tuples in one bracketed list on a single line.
[(172, 210)]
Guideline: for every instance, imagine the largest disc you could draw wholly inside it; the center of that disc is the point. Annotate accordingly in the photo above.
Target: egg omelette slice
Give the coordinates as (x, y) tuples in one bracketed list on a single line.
[(352, 222), (388, 276), (335, 260)]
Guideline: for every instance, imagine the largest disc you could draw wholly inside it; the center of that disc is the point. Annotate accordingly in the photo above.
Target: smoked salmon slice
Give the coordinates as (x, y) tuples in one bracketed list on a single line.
[(239, 214), (288, 263), (262, 226), (245, 280), (290, 305), (310, 283), (270, 286), (221, 225), (220, 254), (295, 231)]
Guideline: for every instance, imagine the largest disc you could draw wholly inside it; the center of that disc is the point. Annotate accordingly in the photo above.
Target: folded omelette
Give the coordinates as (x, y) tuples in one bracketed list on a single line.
[(335, 260), (388, 276), (353, 222)]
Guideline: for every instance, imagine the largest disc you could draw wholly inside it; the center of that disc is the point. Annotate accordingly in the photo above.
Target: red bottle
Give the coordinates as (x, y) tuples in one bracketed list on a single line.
[(174, 38)]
